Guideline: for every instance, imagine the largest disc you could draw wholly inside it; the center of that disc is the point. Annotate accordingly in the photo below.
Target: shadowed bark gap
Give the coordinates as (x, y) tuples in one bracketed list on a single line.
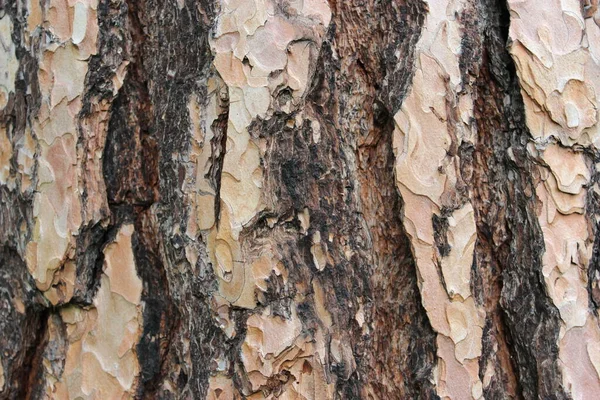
[(218, 145), (406, 356)]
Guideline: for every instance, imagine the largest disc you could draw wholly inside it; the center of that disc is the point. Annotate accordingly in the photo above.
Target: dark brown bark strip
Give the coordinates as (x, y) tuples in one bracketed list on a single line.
[(172, 61), (377, 49), (510, 241), (324, 178), (406, 355)]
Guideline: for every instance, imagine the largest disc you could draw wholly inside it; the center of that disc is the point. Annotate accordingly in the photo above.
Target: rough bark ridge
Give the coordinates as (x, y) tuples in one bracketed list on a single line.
[(310, 199)]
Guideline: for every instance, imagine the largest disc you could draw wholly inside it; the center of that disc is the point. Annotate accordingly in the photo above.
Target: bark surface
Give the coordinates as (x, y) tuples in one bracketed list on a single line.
[(299, 199)]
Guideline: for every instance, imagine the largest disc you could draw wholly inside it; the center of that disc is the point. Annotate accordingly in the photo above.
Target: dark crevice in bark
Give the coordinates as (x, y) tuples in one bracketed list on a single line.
[(322, 177), (160, 316), (130, 167), (33, 387), (114, 44), (112, 52), (479, 167), (510, 242), (233, 351), (91, 241), (218, 146), (404, 355), (358, 96), (301, 174), (440, 234), (291, 179)]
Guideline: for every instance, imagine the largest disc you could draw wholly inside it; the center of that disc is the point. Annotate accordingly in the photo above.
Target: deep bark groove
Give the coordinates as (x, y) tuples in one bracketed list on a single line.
[(508, 229)]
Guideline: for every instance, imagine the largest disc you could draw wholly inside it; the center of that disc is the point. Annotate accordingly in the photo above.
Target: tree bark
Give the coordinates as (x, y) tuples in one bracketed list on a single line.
[(299, 199)]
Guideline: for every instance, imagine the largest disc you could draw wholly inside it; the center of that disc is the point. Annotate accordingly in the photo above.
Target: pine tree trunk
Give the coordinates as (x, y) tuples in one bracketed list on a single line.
[(299, 199)]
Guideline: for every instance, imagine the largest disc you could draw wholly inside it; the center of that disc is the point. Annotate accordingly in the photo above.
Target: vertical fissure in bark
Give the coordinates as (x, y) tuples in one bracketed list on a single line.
[(479, 166), (402, 362), (161, 317), (130, 165), (93, 237), (525, 325), (91, 242), (218, 145), (372, 66), (113, 48), (33, 378)]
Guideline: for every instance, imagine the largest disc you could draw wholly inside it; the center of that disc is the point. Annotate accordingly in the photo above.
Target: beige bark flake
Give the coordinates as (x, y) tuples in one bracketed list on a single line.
[(556, 69), (252, 41), (25, 159), (58, 209), (456, 268), (276, 349), (320, 304), (101, 362), (557, 63), (6, 153), (34, 15), (123, 281), (427, 178), (8, 60), (79, 23), (319, 251)]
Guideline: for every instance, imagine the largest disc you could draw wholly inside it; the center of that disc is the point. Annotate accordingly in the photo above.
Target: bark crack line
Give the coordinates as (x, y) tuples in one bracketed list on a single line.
[(218, 145)]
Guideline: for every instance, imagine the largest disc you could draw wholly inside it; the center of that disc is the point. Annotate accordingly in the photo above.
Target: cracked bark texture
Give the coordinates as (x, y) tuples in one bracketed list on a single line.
[(299, 199)]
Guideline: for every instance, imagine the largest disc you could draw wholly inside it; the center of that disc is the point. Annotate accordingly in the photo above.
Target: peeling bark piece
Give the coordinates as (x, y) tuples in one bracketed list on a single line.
[(8, 60), (252, 40), (58, 202), (557, 68), (427, 177), (276, 353), (101, 357)]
